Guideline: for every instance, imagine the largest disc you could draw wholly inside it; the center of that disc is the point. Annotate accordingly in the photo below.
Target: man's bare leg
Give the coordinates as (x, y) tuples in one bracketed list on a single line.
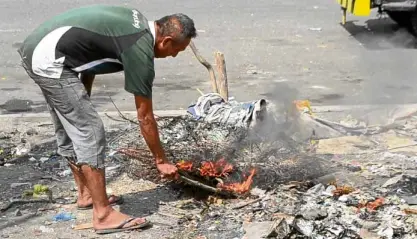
[(104, 216), (84, 198)]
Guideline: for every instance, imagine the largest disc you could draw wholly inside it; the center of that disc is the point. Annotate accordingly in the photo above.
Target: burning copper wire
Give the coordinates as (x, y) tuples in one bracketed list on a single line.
[(217, 169), (239, 187), (185, 165)]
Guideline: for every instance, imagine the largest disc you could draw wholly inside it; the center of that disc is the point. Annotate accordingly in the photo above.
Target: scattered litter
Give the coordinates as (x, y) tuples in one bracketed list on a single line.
[(22, 149), (45, 229), (315, 29), (39, 190), (65, 173), (43, 159), (63, 217)]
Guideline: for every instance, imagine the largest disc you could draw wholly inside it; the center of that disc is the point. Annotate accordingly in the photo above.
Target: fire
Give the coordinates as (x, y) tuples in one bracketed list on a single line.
[(303, 105), (218, 169), (185, 165), (372, 206), (240, 187)]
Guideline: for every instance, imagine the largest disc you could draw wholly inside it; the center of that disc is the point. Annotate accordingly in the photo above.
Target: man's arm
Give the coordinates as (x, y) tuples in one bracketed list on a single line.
[(138, 64), (149, 130), (149, 127)]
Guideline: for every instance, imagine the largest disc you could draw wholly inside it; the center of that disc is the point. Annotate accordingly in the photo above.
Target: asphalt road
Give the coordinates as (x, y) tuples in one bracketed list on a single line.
[(274, 49)]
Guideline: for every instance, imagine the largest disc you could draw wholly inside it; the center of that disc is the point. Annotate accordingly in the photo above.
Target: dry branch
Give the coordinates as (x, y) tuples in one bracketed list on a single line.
[(222, 84), (120, 114), (205, 63), (204, 187)]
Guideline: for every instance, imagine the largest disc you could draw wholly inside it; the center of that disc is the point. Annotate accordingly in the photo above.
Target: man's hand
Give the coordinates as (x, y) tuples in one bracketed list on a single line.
[(167, 170)]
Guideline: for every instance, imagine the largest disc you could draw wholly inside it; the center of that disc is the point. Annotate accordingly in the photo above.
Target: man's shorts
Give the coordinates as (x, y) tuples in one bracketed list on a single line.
[(78, 126)]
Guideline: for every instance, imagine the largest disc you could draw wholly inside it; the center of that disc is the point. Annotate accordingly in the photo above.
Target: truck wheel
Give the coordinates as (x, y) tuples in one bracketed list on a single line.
[(401, 18)]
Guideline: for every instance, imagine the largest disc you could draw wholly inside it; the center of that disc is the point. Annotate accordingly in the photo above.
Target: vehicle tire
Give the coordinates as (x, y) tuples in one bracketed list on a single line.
[(403, 19)]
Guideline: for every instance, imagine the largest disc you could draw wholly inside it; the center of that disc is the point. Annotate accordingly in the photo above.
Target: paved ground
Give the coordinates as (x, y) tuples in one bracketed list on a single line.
[(277, 39)]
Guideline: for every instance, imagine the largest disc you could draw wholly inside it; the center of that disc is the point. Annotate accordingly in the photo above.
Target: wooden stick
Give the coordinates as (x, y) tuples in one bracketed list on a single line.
[(207, 65), (222, 85), (83, 226), (203, 186)]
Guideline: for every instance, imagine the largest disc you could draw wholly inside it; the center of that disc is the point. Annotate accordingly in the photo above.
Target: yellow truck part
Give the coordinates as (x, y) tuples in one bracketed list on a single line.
[(355, 7)]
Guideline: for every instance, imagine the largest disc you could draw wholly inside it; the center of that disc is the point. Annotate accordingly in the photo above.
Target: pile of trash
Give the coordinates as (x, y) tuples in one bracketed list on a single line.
[(276, 159), (297, 210)]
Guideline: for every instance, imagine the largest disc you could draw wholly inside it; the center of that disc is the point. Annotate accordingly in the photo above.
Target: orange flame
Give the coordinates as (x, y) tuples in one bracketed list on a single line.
[(240, 187), (372, 206), (185, 165), (217, 169)]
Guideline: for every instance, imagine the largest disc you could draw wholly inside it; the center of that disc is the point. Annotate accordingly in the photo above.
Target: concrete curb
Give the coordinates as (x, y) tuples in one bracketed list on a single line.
[(172, 113), (161, 113)]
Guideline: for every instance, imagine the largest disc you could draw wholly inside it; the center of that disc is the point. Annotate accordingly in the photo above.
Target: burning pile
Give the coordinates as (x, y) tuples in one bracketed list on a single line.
[(222, 157), (218, 171)]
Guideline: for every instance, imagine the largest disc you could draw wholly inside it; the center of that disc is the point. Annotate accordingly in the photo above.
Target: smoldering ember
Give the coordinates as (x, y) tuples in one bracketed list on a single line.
[(297, 173)]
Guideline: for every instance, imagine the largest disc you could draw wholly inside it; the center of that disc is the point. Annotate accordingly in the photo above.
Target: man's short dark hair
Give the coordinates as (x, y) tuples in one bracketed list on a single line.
[(179, 26)]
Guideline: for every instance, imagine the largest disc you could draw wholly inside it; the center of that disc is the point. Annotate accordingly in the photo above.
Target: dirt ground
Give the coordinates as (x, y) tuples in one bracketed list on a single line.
[(175, 212)]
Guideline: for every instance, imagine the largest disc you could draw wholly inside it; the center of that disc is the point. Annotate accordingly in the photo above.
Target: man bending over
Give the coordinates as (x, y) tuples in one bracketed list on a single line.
[(64, 54)]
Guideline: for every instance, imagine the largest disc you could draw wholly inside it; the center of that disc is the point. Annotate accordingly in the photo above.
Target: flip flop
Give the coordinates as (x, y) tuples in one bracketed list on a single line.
[(121, 229), (119, 200)]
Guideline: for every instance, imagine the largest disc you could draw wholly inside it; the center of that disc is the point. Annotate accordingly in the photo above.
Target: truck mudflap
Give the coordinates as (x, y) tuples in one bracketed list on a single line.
[(355, 7)]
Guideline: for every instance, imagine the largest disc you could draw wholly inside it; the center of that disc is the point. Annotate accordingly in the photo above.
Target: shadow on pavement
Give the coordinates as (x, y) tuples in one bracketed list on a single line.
[(381, 34), (146, 203)]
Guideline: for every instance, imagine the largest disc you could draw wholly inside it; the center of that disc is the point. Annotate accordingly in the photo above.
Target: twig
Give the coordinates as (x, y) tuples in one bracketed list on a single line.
[(244, 204), (120, 113), (199, 91), (205, 63), (112, 118), (203, 186), (127, 119)]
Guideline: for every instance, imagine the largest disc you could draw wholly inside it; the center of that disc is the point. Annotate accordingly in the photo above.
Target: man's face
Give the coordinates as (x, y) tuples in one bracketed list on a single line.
[(169, 47)]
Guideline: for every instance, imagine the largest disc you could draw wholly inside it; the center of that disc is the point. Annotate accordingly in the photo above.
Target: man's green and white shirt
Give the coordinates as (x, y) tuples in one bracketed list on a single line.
[(95, 40)]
